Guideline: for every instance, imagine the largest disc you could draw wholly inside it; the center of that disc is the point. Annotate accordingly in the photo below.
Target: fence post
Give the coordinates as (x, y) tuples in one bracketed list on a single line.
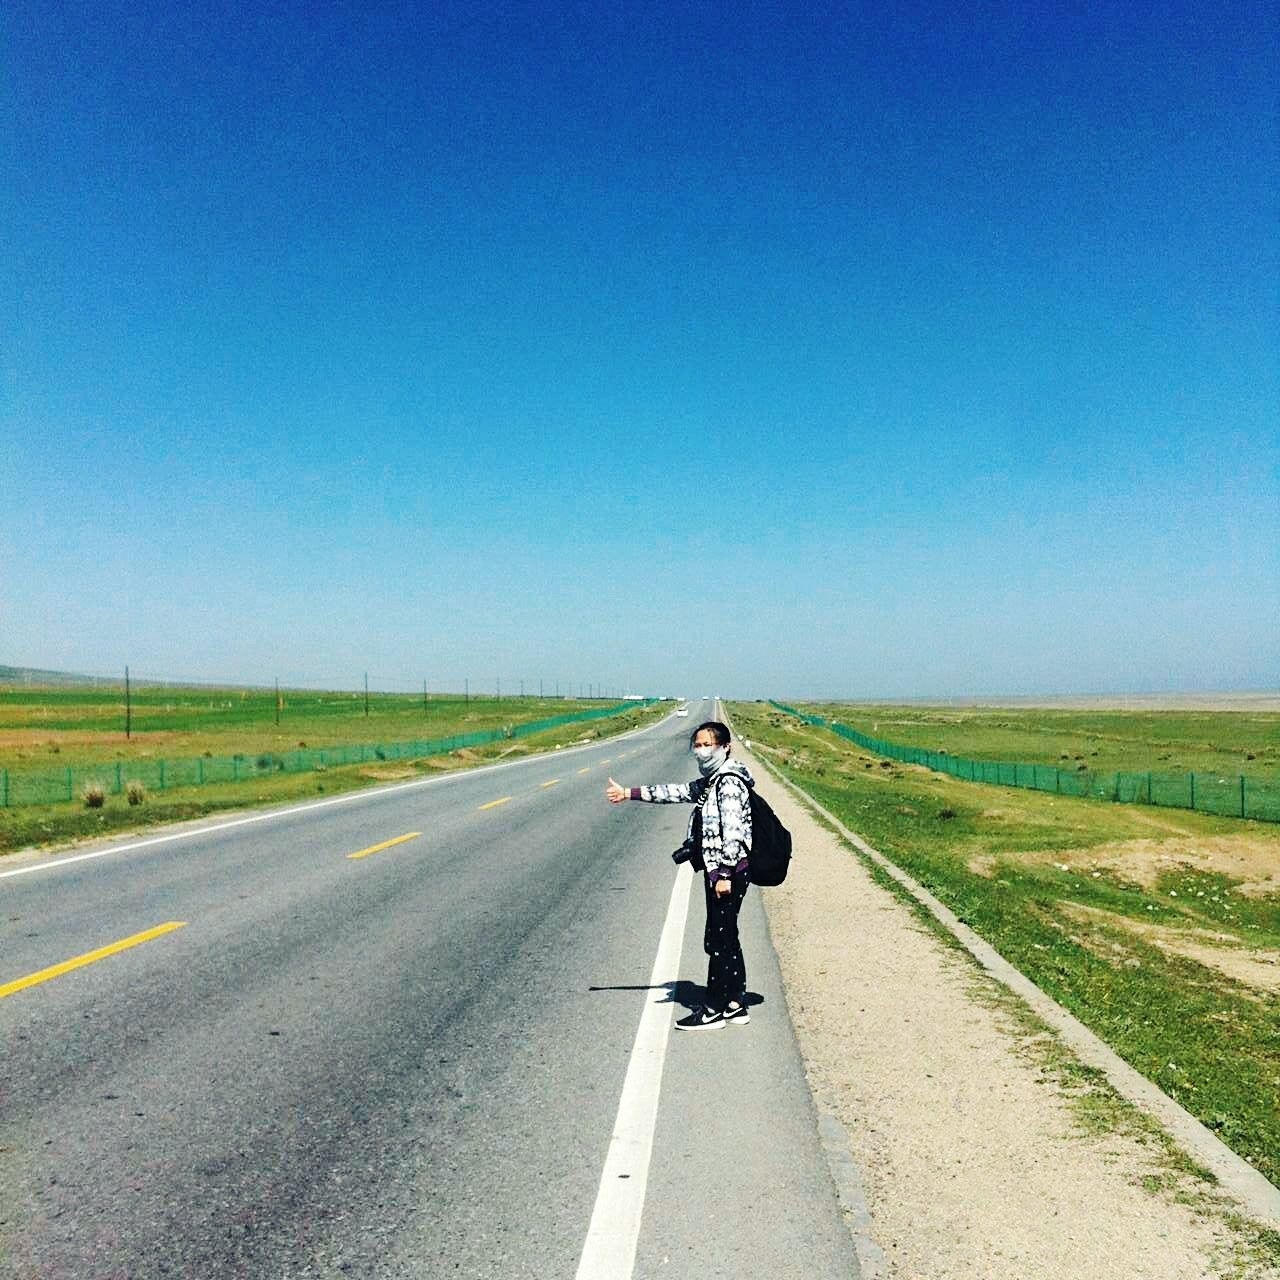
[(1242, 795), (161, 775), (1057, 781), (69, 791), (4, 782), (200, 770), (119, 785), (1192, 776)]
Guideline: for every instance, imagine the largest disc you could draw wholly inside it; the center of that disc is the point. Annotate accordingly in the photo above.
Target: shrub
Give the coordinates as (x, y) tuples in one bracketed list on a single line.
[(94, 795), (946, 814), (263, 762), (134, 791)]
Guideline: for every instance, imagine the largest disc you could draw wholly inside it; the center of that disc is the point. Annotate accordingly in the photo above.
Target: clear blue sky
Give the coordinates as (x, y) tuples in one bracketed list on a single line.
[(807, 350)]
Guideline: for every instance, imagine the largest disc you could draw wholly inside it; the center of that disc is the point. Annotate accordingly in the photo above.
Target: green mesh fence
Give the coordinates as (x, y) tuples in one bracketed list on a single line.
[(55, 786), (1235, 796)]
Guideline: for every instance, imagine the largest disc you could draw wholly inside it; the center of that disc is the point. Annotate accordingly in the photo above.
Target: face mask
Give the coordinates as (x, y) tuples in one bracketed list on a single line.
[(710, 758)]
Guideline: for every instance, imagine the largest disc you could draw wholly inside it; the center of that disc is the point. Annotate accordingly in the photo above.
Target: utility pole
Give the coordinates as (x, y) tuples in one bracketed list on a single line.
[(466, 692), (366, 694), (522, 688), (499, 688), (277, 699), (424, 697), (128, 706)]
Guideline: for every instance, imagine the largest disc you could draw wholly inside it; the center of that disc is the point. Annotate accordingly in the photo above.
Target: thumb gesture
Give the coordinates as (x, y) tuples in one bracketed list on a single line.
[(615, 793)]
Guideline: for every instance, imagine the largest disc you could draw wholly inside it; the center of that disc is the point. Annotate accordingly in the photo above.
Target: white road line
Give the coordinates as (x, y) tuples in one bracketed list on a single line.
[(353, 797), (610, 1249)]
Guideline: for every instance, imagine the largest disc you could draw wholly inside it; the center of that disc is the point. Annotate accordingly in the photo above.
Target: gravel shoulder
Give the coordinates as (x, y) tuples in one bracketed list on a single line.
[(974, 1159)]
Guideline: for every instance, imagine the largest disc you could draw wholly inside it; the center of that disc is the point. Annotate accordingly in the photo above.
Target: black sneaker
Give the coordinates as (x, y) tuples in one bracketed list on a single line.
[(702, 1020), (737, 1014)]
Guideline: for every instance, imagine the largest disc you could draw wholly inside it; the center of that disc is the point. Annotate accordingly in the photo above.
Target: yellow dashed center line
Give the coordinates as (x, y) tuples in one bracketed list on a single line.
[(586, 770), (57, 970), (386, 844), (552, 783), (493, 804)]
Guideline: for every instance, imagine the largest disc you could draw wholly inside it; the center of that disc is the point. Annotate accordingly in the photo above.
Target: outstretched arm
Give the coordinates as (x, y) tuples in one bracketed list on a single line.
[(663, 793)]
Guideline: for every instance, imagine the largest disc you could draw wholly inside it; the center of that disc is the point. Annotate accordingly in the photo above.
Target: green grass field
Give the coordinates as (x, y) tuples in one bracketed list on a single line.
[(1158, 929), (48, 731), (53, 727), (1231, 742)]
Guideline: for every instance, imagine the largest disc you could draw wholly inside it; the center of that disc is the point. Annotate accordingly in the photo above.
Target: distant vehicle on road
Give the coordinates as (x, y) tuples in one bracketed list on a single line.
[(682, 711)]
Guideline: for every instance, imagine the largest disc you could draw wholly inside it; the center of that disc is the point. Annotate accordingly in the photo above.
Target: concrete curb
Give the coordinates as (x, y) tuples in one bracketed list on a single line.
[(853, 1200), (1257, 1197)]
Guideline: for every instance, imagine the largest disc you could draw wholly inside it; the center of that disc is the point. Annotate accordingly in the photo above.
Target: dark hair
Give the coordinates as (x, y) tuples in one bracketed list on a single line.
[(720, 732)]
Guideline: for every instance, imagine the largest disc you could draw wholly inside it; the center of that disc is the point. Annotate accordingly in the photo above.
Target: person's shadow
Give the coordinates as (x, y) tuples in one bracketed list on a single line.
[(692, 995)]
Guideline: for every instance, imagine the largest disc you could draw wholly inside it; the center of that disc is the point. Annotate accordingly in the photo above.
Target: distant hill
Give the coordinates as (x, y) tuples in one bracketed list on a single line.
[(35, 675)]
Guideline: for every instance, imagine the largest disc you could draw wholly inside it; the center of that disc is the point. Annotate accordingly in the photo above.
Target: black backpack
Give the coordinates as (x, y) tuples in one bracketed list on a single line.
[(770, 855)]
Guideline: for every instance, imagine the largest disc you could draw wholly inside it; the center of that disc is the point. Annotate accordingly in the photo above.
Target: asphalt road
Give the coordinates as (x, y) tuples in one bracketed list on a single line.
[(402, 1064)]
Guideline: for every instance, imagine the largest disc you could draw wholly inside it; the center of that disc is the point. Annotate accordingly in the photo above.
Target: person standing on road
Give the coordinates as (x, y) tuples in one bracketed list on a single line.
[(718, 843)]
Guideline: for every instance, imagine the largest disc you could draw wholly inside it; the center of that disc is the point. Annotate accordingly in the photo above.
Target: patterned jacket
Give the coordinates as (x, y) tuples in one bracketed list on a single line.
[(726, 814)]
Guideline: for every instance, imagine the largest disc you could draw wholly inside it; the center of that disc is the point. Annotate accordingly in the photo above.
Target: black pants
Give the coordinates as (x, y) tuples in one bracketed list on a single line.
[(726, 969)]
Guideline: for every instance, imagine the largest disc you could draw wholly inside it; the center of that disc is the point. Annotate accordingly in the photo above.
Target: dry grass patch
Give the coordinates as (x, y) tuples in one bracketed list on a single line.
[(388, 772), (52, 741), (1251, 860), (1227, 953)]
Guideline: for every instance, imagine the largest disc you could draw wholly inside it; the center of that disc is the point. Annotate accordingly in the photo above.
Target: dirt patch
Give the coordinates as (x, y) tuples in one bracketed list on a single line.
[(1251, 859), (1226, 953)]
